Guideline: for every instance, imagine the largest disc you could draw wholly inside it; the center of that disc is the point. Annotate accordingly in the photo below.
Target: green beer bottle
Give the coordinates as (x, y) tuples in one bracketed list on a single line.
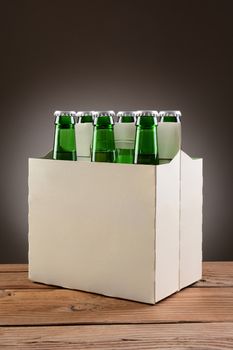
[(103, 143), (64, 139), (169, 135), (124, 137), (146, 144)]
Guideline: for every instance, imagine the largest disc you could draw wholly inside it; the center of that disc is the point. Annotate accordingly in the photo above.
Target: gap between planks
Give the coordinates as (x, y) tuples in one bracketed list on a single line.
[(214, 336), (99, 324)]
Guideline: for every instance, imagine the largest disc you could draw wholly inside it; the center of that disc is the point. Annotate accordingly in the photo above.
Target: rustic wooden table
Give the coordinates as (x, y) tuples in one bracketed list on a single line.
[(36, 316)]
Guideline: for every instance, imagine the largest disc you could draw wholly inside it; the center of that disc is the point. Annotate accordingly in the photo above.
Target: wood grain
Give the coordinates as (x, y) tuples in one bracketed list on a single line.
[(61, 306), (37, 316), (14, 280), (216, 274), (13, 267), (211, 336)]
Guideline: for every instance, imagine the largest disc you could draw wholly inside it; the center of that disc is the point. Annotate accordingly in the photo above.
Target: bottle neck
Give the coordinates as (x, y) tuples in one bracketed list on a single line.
[(146, 122), (126, 119), (86, 119), (64, 142), (104, 122), (64, 126), (103, 144), (64, 120), (170, 119)]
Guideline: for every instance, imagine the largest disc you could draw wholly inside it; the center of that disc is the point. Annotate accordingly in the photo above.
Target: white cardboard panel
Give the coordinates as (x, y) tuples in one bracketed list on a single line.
[(169, 140), (114, 229), (167, 228), (83, 136), (190, 220), (91, 227), (124, 131)]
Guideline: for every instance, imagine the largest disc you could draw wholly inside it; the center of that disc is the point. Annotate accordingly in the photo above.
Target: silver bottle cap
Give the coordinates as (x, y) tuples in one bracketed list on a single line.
[(170, 114), (86, 113), (146, 113), (62, 113), (105, 114), (126, 114)]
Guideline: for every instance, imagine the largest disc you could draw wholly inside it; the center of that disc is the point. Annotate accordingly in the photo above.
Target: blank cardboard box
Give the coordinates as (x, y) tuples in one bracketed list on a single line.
[(127, 231)]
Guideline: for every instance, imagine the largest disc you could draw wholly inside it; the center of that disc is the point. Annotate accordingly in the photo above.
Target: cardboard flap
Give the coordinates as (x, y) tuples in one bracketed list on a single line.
[(169, 139), (190, 220), (167, 228)]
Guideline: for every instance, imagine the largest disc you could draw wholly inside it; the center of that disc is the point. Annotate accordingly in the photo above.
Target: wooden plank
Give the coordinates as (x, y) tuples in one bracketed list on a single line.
[(13, 267), (19, 279), (61, 306), (216, 274), (211, 336)]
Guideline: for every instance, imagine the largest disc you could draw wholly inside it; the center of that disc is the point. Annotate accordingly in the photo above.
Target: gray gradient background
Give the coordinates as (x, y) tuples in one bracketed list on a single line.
[(116, 55)]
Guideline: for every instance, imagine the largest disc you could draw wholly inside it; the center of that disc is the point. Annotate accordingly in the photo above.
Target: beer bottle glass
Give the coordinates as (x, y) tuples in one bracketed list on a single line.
[(84, 132), (124, 137), (103, 143), (64, 139), (146, 146), (85, 116), (169, 135)]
